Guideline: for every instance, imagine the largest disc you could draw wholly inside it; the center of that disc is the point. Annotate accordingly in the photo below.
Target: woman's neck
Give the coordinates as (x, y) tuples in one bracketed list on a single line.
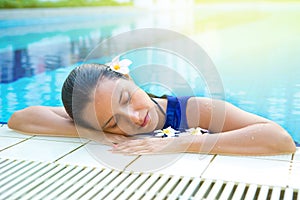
[(162, 103)]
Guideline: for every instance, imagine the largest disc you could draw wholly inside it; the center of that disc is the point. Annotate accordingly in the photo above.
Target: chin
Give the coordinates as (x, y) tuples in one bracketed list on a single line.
[(151, 127)]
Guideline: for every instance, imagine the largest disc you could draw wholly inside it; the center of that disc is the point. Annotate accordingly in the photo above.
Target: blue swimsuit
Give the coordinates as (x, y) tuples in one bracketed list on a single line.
[(176, 113)]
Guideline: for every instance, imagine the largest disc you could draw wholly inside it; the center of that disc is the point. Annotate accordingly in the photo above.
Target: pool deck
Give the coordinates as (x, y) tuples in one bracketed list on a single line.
[(282, 171)]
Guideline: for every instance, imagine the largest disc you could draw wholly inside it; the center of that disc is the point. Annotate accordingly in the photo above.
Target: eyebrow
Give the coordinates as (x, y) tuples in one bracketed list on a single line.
[(121, 96), (112, 116)]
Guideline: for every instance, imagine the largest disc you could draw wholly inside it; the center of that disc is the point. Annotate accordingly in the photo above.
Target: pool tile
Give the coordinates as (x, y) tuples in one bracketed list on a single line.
[(249, 170), (61, 139), (39, 150), (6, 142), (81, 157), (7, 132), (295, 176), (183, 164), (102, 155), (283, 157), (295, 170)]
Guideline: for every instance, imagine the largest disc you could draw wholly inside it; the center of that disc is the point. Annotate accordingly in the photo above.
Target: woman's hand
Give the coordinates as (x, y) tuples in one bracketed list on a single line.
[(152, 146)]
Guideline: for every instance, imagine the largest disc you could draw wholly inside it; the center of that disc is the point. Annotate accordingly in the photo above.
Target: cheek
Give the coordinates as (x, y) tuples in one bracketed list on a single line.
[(140, 100), (126, 128)]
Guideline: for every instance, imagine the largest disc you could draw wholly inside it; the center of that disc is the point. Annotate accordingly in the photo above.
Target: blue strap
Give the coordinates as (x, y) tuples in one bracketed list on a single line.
[(183, 103)]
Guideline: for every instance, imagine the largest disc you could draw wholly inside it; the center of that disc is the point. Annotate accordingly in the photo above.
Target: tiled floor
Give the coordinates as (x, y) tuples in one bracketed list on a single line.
[(249, 170), (192, 165), (282, 171)]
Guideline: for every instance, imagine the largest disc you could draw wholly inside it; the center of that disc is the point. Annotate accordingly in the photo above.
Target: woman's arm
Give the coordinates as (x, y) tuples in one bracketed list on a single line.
[(43, 120), (240, 132), (237, 132), (54, 121)]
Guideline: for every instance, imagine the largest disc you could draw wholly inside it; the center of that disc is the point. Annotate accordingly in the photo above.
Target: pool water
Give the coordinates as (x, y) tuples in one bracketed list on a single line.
[(255, 49)]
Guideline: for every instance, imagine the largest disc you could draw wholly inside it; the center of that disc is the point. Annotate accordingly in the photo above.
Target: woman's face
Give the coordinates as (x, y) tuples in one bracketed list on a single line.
[(121, 107)]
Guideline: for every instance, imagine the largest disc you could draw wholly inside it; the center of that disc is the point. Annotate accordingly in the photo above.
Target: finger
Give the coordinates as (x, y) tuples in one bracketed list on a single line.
[(139, 153), (127, 150), (132, 153), (127, 145)]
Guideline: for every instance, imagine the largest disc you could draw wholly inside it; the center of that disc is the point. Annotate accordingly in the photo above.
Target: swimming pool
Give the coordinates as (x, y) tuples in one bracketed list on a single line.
[(254, 47)]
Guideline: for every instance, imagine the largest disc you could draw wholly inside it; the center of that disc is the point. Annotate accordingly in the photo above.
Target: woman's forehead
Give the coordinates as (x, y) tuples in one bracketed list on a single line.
[(106, 90), (114, 86)]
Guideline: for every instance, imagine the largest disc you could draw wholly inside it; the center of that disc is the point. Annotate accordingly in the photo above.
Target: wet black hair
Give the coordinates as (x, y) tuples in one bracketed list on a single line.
[(79, 87)]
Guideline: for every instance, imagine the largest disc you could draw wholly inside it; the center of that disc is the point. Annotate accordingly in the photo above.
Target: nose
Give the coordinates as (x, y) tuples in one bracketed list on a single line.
[(135, 117)]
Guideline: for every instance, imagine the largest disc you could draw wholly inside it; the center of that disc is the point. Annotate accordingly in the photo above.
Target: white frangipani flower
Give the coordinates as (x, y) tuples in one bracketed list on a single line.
[(167, 132), (120, 66)]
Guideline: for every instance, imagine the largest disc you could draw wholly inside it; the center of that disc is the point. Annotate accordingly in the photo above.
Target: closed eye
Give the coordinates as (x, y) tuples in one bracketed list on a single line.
[(125, 98)]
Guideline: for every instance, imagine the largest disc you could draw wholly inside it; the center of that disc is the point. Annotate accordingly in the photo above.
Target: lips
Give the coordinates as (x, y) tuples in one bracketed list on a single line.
[(146, 120)]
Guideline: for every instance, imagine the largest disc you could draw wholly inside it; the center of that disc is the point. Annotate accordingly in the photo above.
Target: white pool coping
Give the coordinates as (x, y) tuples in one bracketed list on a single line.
[(273, 171)]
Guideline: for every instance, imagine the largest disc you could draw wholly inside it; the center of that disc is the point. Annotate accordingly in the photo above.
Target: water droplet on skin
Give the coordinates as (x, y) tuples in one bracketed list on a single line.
[(207, 106)]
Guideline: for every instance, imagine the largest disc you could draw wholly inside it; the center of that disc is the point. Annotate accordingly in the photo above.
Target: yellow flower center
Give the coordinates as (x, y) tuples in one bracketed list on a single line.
[(117, 67), (194, 132)]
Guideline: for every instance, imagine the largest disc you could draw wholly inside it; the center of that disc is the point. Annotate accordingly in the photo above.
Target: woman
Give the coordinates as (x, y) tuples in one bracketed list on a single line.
[(108, 107)]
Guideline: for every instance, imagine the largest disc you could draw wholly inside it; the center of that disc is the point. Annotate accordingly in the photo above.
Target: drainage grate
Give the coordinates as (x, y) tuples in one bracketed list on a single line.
[(40, 180)]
